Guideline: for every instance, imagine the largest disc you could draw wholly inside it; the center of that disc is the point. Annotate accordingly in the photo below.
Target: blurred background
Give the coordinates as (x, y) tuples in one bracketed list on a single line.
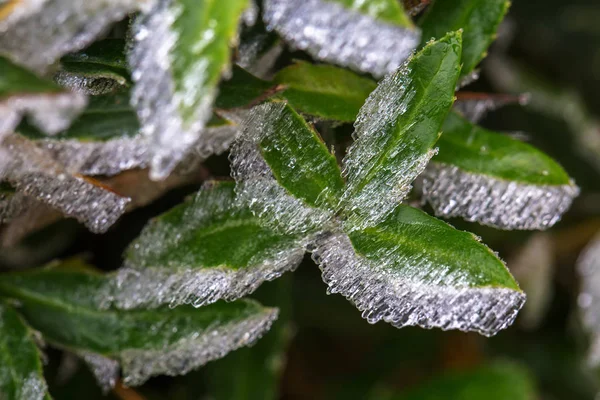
[(321, 348)]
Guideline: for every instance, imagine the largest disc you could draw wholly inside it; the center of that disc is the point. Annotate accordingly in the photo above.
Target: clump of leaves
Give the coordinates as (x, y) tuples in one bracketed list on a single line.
[(165, 96)]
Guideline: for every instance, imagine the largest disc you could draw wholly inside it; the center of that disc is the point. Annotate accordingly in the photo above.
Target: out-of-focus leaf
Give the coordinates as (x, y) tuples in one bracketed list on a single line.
[(207, 249), (284, 170), (180, 51), (479, 20), (495, 180), (21, 375), (474, 106), (588, 266), (324, 90), (241, 89), (330, 32), (65, 303), (384, 10), (499, 381), (413, 269), (396, 130), (99, 69)]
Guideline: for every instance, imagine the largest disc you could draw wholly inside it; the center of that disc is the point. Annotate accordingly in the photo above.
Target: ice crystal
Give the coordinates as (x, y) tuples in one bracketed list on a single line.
[(256, 185), (588, 267), (332, 33), (416, 294), (105, 370), (195, 351), (42, 34), (88, 85), (32, 172), (503, 204)]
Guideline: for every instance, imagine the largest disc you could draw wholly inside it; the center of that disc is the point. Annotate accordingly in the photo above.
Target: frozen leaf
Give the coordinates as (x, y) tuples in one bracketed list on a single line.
[(396, 130), (412, 269), (21, 375), (32, 172), (324, 91), (475, 106), (495, 180), (50, 107), (207, 249), (332, 33), (498, 381), (284, 171), (389, 11), (479, 20), (258, 50), (47, 31), (99, 69), (180, 51), (588, 266), (62, 303)]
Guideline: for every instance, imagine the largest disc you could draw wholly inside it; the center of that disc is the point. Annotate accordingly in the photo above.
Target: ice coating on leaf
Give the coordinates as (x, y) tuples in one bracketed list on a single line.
[(419, 294), (88, 85), (195, 351), (33, 388), (503, 204), (12, 205), (32, 172), (256, 185), (475, 106), (105, 370), (37, 40), (588, 266), (332, 33)]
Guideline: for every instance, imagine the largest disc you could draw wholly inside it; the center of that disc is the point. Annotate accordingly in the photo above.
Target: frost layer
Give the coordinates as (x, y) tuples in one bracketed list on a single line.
[(588, 267), (257, 187), (42, 34), (195, 351), (88, 85), (105, 370), (453, 192), (392, 296), (332, 33), (12, 205)]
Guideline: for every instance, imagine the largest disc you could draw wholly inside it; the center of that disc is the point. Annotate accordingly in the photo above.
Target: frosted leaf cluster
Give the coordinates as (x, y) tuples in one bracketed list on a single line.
[(504, 204), (588, 266), (196, 350), (256, 185), (413, 291), (332, 33), (32, 37)]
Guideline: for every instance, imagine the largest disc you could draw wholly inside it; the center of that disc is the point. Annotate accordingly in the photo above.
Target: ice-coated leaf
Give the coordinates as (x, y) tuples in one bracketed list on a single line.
[(258, 50), (12, 203), (397, 128), (588, 266), (180, 51), (324, 91), (207, 249), (495, 180), (332, 33), (49, 29), (384, 10), (413, 269), (474, 106), (21, 375), (99, 69), (498, 381), (50, 107), (284, 171), (479, 20), (32, 172), (64, 304)]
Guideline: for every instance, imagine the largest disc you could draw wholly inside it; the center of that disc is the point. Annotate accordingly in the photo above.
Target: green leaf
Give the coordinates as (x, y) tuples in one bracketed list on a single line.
[(284, 171), (495, 180), (211, 247), (385, 10), (479, 20), (67, 304), (324, 90), (241, 89), (413, 269), (174, 100), (499, 381), (396, 130), (21, 375), (99, 69)]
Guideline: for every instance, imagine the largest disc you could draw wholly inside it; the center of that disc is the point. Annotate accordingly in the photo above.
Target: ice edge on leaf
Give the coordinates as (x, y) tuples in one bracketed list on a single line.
[(380, 295), (35, 40), (195, 351), (94, 86), (588, 266), (12, 205), (332, 33), (257, 187), (105, 370), (503, 204)]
